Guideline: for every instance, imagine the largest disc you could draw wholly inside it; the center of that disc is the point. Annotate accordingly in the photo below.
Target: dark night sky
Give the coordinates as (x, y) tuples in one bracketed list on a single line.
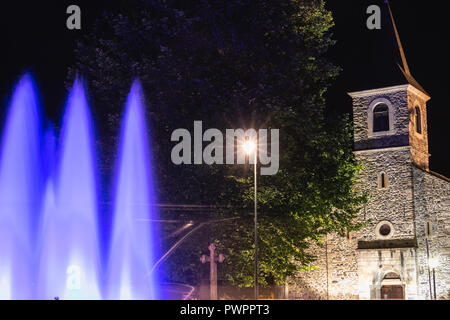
[(34, 38)]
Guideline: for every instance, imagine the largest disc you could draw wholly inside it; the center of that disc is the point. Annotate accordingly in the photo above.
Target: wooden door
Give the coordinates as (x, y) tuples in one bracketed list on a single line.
[(392, 293)]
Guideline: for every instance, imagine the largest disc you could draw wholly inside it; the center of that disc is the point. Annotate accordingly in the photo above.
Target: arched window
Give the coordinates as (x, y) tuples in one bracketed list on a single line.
[(381, 118), (418, 121)]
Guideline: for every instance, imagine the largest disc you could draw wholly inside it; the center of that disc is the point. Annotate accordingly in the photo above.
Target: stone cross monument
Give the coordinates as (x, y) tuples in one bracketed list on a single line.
[(212, 259)]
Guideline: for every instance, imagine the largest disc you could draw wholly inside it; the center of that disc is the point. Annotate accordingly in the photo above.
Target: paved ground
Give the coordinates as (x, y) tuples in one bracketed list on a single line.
[(175, 291)]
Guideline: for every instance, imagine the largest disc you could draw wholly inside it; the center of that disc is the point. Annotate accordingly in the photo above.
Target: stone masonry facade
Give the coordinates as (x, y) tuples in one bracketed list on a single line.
[(409, 206), (432, 203)]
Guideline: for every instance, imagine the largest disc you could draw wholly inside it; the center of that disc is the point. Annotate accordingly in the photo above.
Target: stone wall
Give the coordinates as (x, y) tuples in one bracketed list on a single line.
[(394, 203), (418, 141), (413, 198), (311, 284), (344, 271), (355, 267), (432, 204), (335, 276), (343, 267)]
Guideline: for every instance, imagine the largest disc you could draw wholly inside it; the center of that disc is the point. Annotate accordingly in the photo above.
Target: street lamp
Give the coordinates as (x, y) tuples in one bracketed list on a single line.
[(250, 147), (433, 263)]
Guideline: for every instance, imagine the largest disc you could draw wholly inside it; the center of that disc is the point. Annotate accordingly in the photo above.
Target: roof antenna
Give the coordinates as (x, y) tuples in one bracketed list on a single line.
[(405, 69)]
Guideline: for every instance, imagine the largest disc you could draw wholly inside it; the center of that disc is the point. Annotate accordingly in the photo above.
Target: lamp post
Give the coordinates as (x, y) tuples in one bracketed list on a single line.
[(433, 262), (249, 148)]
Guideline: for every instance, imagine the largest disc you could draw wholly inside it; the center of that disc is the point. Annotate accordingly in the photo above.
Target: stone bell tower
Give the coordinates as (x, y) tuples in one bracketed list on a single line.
[(394, 116), (407, 218), (391, 139)]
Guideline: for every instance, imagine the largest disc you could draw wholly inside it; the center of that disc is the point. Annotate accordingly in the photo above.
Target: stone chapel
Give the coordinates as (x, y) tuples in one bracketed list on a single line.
[(404, 250)]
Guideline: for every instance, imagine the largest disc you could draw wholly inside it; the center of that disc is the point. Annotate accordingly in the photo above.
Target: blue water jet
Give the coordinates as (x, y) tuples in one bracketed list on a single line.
[(69, 253), (132, 249), (49, 198), (19, 191)]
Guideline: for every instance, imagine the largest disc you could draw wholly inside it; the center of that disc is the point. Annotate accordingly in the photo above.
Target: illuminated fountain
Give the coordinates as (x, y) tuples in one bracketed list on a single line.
[(70, 259), (50, 243), (49, 217), (19, 191), (133, 235)]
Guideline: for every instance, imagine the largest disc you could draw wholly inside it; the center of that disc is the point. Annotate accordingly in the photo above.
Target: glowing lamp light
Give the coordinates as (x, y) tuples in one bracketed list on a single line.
[(433, 263), (249, 146)]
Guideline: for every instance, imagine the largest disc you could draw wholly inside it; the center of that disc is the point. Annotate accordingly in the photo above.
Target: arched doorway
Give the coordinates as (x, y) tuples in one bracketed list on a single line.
[(392, 287)]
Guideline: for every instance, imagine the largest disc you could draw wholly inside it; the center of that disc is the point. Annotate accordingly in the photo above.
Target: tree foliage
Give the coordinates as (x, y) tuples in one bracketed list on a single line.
[(233, 64)]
